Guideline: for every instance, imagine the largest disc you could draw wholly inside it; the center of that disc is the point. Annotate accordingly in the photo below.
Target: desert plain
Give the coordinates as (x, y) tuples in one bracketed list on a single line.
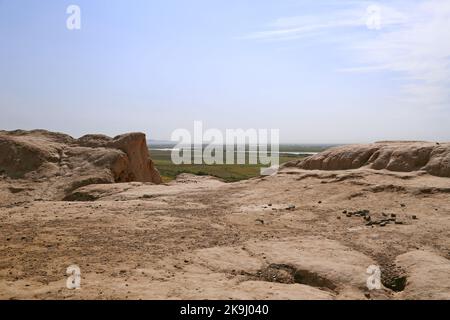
[(310, 231)]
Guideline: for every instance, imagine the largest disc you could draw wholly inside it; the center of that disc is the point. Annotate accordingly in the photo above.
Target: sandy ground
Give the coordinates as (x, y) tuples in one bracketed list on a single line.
[(289, 236)]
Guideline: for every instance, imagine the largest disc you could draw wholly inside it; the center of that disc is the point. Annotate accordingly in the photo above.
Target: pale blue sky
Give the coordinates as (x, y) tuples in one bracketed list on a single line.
[(313, 69)]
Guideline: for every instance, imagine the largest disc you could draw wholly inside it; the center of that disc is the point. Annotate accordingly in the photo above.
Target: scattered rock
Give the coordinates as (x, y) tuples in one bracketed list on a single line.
[(371, 221)]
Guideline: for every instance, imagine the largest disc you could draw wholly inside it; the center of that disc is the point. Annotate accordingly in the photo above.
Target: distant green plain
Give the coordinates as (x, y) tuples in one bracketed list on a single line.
[(226, 172)]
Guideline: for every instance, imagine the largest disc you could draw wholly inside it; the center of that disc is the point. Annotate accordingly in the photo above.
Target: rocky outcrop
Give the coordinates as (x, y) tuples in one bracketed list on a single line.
[(433, 158), (136, 166), (68, 163)]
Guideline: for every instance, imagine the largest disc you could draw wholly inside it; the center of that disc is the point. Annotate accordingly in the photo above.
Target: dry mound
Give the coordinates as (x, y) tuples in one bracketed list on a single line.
[(68, 163), (433, 158)]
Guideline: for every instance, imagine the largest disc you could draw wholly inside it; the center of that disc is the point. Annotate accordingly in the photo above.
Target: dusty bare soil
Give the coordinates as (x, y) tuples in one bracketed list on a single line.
[(301, 234)]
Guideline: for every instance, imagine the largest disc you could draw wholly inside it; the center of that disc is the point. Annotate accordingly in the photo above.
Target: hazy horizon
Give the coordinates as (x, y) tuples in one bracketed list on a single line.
[(316, 70)]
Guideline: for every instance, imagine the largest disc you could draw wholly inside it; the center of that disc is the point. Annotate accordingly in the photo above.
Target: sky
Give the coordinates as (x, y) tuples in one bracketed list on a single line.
[(319, 71)]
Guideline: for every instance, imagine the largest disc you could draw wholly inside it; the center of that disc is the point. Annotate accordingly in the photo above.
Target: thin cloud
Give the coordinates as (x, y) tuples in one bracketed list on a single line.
[(288, 28), (412, 41)]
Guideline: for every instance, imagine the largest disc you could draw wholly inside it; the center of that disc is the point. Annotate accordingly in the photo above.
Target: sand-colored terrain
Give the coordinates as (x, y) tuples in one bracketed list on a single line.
[(299, 234)]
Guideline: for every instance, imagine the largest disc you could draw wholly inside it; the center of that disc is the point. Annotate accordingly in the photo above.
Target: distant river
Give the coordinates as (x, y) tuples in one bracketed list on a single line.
[(296, 153)]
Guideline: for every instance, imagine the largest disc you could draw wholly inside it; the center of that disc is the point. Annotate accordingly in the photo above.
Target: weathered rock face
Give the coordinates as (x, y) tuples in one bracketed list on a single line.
[(136, 166), (67, 163), (394, 156), (23, 152)]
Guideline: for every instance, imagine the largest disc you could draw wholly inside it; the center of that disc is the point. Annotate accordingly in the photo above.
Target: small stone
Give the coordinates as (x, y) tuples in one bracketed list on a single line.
[(402, 205), (319, 202), (367, 295), (382, 224), (269, 204), (398, 222), (338, 217), (260, 220), (393, 215), (344, 212), (414, 217)]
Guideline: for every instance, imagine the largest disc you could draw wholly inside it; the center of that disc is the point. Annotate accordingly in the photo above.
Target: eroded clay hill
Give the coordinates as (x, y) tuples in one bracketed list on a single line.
[(433, 158), (50, 165)]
